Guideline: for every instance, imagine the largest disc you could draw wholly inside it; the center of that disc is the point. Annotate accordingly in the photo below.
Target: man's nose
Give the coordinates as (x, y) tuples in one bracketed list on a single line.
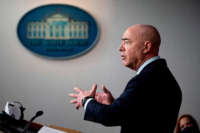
[(121, 48)]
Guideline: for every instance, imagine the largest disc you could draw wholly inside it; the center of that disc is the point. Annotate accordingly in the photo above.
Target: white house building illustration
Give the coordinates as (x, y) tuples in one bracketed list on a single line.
[(57, 27)]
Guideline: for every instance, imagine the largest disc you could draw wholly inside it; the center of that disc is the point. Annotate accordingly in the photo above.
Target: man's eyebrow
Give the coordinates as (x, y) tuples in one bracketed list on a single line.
[(123, 39)]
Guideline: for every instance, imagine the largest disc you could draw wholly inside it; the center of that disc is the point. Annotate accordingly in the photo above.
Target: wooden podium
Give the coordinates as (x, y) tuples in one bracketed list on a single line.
[(67, 130)]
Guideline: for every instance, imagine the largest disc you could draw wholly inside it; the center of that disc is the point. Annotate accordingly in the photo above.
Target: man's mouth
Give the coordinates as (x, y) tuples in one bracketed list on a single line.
[(123, 57)]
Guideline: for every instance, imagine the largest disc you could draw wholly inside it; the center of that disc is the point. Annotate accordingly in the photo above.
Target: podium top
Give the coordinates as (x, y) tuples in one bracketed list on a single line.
[(17, 126)]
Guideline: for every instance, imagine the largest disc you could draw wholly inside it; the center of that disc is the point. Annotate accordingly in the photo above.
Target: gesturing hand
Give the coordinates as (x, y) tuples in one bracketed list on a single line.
[(81, 94), (104, 97)]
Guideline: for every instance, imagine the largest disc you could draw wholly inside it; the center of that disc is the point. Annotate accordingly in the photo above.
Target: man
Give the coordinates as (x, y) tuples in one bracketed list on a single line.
[(151, 100)]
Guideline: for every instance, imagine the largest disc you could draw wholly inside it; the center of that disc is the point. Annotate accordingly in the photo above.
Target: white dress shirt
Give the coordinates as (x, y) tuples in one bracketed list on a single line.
[(146, 63)]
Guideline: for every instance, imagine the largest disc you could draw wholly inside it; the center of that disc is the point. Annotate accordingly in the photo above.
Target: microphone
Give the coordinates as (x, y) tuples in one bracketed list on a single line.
[(39, 113)]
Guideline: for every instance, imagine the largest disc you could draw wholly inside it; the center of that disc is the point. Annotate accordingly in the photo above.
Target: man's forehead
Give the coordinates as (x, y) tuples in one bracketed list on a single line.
[(128, 35)]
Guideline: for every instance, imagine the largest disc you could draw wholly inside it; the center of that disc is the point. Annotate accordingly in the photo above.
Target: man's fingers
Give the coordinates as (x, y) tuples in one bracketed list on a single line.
[(104, 89), (77, 106), (73, 95), (78, 89), (73, 101), (94, 87), (93, 90), (97, 94)]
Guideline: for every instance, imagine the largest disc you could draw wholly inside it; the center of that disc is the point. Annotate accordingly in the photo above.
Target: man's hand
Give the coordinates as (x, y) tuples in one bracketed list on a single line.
[(104, 97), (81, 94)]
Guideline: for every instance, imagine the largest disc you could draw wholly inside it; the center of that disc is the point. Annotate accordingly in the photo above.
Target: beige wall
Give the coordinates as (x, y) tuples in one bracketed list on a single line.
[(44, 84)]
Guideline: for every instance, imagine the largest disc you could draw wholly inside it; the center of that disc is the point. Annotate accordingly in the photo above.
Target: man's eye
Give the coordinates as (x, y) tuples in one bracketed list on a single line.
[(126, 42)]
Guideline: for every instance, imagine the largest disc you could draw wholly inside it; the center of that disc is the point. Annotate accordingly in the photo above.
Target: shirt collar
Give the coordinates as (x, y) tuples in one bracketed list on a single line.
[(146, 63)]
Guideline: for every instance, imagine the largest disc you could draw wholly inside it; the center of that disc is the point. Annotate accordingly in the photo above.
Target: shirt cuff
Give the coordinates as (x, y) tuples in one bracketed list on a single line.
[(86, 103)]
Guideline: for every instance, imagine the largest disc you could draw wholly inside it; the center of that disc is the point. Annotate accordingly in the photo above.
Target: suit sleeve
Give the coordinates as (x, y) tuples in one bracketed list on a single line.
[(116, 113)]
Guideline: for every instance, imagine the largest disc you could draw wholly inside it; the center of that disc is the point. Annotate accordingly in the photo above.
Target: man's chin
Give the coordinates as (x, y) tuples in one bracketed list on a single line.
[(128, 65), (125, 64)]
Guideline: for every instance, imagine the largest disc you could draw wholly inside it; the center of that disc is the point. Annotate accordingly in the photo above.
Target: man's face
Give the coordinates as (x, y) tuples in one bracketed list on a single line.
[(131, 49)]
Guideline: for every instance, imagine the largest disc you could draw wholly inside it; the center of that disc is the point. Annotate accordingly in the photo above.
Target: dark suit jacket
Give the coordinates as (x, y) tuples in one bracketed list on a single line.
[(149, 103)]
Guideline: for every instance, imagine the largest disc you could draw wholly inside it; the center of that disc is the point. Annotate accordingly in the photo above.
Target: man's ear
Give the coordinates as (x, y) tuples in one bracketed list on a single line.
[(147, 47)]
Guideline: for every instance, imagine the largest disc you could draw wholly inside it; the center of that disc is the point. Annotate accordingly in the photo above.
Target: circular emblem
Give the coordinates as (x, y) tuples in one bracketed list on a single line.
[(58, 31)]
